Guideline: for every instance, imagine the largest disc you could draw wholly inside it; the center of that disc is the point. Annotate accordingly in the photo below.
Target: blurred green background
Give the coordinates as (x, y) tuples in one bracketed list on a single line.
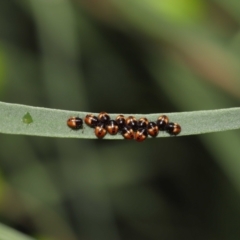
[(129, 56)]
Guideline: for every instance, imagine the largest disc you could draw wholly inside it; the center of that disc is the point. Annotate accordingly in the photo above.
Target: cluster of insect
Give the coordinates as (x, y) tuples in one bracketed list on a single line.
[(128, 127)]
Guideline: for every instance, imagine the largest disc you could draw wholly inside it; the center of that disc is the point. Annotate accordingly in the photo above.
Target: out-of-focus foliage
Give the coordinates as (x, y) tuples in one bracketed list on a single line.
[(121, 56), (2, 67), (10, 234), (180, 13)]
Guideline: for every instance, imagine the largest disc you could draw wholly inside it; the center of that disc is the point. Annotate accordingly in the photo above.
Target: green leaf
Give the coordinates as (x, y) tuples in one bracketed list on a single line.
[(7, 233), (52, 122), (176, 11)]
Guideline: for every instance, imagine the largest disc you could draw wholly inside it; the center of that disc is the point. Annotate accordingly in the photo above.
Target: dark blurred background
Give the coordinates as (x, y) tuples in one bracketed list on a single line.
[(128, 56)]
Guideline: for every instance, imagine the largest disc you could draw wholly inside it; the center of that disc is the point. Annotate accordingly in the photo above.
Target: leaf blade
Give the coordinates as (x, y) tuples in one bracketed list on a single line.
[(52, 122)]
